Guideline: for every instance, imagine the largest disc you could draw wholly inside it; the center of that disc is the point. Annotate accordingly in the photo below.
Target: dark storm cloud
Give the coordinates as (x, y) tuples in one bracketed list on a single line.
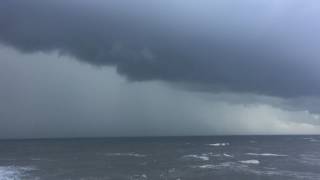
[(255, 47)]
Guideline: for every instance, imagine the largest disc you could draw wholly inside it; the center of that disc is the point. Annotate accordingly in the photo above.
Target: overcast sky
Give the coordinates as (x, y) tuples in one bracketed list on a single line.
[(147, 68)]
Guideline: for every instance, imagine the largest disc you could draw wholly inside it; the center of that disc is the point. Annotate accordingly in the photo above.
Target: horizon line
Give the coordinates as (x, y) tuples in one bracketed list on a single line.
[(155, 136)]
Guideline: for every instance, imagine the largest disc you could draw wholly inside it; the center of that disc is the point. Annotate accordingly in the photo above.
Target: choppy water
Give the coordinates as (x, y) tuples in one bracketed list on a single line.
[(178, 158)]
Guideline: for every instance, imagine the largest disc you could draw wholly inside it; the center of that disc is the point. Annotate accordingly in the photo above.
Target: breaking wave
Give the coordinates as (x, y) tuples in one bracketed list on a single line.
[(251, 161), (194, 156), (219, 144), (266, 154), (14, 172), (126, 154)]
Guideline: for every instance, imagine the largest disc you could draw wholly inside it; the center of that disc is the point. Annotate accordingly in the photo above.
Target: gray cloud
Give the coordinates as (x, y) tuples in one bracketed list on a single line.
[(47, 95), (265, 47)]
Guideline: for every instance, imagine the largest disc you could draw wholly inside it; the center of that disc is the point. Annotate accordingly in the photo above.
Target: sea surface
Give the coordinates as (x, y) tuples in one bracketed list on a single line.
[(176, 158)]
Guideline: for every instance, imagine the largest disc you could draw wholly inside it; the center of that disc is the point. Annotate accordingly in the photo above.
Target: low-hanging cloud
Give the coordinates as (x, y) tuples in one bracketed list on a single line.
[(265, 47), (45, 95)]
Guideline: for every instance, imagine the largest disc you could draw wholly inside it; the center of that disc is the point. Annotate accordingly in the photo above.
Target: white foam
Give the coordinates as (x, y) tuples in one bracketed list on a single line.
[(218, 166), (13, 172), (194, 156), (312, 139), (139, 177), (126, 154), (144, 176), (206, 166), (239, 167), (251, 161), (219, 144), (217, 155), (286, 174), (266, 154), (227, 155)]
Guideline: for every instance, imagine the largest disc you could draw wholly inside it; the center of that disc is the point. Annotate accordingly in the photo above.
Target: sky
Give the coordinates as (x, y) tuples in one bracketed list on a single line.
[(158, 68)]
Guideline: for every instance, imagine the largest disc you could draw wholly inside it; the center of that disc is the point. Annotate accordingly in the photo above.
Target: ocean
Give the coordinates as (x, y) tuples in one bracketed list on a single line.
[(176, 158)]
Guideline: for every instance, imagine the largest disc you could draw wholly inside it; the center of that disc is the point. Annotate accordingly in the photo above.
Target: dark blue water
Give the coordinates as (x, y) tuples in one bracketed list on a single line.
[(217, 157)]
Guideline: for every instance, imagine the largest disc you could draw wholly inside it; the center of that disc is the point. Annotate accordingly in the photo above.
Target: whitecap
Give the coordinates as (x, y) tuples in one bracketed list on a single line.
[(218, 166), (266, 154), (312, 139), (251, 161), (206, 166), (139, 177), (219, 144), (218, 155), (287, 174), (227, 155), (13, 172), (194, 156), (126, 154)]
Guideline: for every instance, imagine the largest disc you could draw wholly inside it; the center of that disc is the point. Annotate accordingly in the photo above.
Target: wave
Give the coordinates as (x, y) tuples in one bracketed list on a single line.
[(206, 166), (217, 155), (194, 156), (310, 159), (270, 172), (219, 144), (251, 161), (13, 172), (126, 154), (139, 177), (266, 154), (227, 155), (312, 139), (218, 166)]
